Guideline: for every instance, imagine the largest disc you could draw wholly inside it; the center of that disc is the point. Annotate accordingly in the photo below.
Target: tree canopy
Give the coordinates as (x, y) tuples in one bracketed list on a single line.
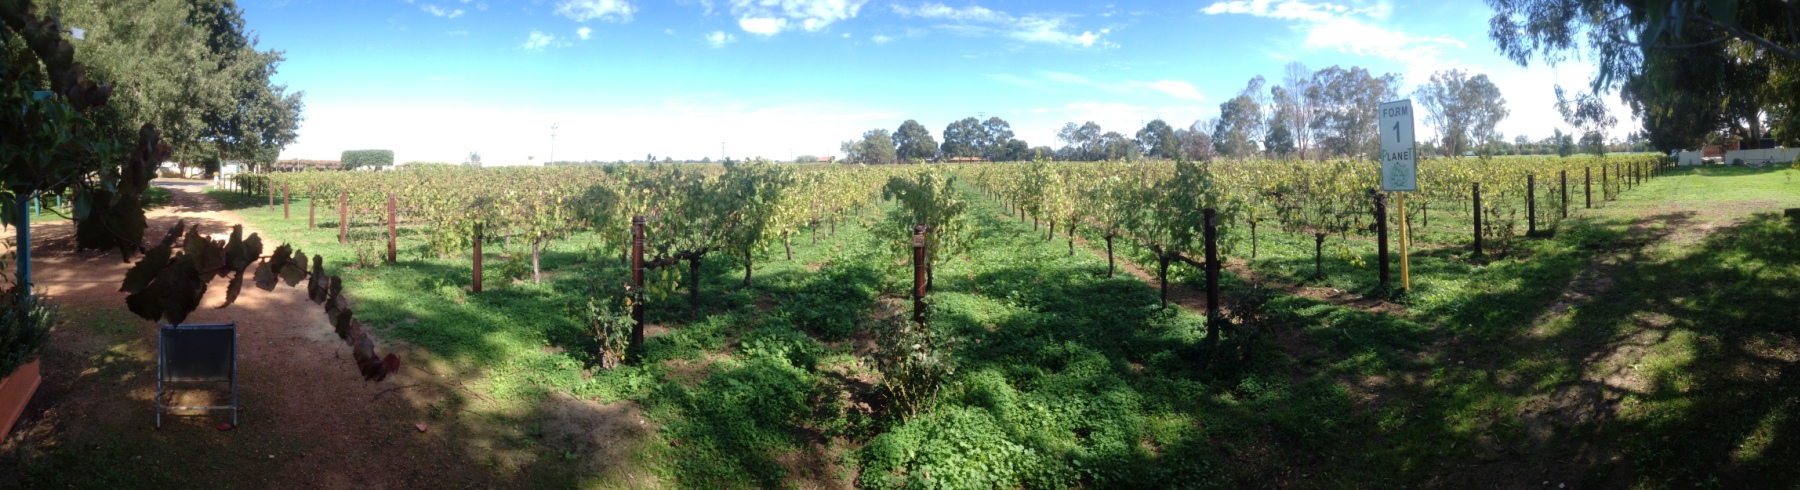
[(1690, 71), (913, 142), (192, 68), (1463, 109)]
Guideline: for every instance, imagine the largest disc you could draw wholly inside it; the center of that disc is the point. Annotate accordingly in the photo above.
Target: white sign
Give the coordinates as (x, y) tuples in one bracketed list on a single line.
[(1399, 165)]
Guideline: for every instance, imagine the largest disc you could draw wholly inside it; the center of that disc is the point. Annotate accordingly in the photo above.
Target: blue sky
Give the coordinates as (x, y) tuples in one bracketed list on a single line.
[(436, 79)]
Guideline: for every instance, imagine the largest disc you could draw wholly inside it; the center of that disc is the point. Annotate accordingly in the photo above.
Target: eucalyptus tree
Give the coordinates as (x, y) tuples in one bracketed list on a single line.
[(1463, 109), (912, 142)]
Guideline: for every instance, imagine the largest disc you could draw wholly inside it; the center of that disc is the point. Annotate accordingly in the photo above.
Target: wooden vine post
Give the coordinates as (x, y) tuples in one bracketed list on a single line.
[(477, 271), (1211, 234), (343, 216), (1564, 176), (637, 280), (1587, 185), (1381, 233), (392, 232), (918, 292), (1605, 187), (287, 198), (269, 191), (1477, 194), (1530, 204)]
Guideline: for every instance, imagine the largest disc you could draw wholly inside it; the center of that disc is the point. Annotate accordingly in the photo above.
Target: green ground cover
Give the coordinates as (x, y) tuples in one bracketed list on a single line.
[(1647, 343)]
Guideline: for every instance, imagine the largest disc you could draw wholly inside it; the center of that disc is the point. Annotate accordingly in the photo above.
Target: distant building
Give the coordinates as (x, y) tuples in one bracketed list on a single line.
[(964, 160)]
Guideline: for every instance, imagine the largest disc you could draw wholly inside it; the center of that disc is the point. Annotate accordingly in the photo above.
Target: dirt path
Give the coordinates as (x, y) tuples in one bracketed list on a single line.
[(308, 419)]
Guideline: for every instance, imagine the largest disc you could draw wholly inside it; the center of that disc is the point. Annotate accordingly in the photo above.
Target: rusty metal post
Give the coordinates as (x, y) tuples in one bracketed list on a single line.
[(637, 280), (393, 235), (343, 216), (269, 190), (1477, 193), (918, 293), (1381, 232), (477, 271)]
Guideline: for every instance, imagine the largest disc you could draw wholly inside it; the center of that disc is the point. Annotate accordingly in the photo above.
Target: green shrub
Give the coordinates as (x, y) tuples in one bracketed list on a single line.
[(24, 328), (953, 447), (781, 344)]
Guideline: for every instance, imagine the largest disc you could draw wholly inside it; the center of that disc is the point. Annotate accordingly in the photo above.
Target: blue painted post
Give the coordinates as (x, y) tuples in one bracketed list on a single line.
[(24, 245)]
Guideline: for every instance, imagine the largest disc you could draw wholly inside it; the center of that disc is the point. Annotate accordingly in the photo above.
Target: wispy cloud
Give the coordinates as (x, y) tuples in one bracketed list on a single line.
[(880, 39), (718, 39), (540, 40), (1174, 88), (585, 10), (1178, 89), (584, 33), (441, 12), (980, 21), (1349, 30), (770, 17)]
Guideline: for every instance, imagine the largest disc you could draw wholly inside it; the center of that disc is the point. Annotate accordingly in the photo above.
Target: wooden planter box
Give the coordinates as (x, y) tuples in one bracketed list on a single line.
[(15, 392)]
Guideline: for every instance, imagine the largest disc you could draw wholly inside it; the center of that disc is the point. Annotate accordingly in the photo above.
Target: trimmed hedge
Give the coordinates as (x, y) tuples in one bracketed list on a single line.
[(367, 158)]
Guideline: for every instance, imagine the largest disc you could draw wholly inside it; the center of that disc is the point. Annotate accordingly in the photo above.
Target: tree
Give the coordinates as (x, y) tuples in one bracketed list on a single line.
[(963, 138), (1463, 110), (1686, 68), (1588, 113), (875, 148), (1293, 107), (193, 70), (1114, 146), (474, 159), (353, 159), (995, 135), (1196, 143), (1234, 133), (913, 142), (1346, 100), (1080, 143), (1013, 151), (1281, 141), (1158, 140)]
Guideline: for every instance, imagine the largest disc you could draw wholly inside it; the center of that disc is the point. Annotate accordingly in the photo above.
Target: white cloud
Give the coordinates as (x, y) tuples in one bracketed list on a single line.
[(585, 10), (441, 12), (981, 21), (1174, 88), (767, 26), (940, 11), (770, 17), (719, 39), (1344, 29), (880, 39), (584, 33), (1178, 89), (538, 41)]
